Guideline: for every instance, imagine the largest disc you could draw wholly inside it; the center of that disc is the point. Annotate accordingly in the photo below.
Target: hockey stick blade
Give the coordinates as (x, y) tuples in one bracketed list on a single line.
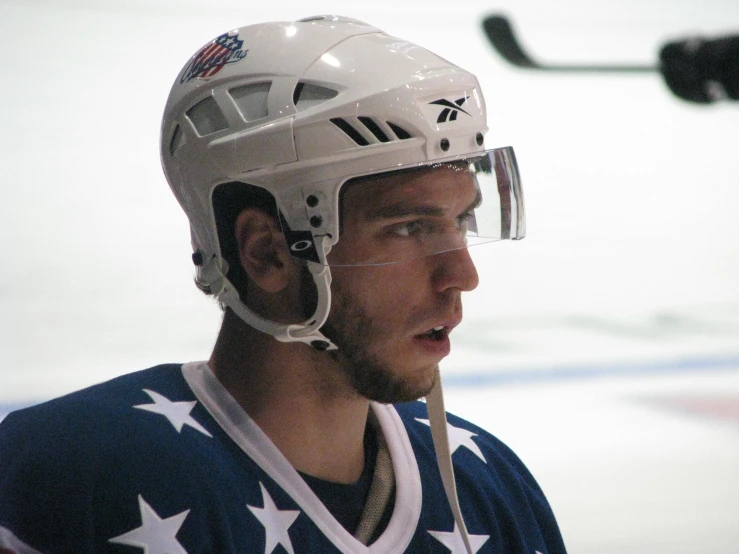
[(500, 34)]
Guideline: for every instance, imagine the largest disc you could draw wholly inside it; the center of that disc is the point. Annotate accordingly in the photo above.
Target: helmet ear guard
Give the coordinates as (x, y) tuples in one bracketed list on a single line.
[(307, 332), (211, 276)]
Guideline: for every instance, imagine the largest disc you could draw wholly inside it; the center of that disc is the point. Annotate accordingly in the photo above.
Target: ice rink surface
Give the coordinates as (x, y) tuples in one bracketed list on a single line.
[(604, 348)]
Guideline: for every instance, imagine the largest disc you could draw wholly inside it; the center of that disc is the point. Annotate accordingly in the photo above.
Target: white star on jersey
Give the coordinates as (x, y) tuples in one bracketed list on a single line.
[(460, 437), (156, 535), (454, 542), (276, 523), (178, 413)]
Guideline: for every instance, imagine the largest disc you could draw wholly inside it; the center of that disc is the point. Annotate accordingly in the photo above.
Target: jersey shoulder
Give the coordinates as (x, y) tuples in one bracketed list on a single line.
[(90, 415), (69, 460)]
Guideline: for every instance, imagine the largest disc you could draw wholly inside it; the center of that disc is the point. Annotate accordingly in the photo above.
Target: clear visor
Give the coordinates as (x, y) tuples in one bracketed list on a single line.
[(421, 210)]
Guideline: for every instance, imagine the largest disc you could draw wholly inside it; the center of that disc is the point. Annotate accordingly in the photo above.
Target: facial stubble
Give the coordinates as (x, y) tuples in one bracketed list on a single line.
[(355, 333)]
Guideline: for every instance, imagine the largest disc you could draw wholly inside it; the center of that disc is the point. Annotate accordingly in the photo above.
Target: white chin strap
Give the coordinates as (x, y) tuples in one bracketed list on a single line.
[(213, 273), (437, 420)]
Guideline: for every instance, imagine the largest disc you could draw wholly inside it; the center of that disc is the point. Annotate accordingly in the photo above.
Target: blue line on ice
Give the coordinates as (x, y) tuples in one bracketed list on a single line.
[(480, 377)]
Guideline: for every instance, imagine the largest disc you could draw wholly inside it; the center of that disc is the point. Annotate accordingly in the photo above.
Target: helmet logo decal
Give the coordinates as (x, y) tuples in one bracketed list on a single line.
[(214, 57), (449, 113), (301, 243)]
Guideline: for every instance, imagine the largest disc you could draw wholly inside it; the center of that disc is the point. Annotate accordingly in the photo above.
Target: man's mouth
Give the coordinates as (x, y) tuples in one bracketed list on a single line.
[(437, 333)]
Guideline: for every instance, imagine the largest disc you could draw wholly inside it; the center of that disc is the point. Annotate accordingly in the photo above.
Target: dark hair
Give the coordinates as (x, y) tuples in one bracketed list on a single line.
[(229, 200)]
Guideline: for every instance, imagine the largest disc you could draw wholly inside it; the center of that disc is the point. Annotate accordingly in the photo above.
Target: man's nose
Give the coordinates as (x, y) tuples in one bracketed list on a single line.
[(455, 269)]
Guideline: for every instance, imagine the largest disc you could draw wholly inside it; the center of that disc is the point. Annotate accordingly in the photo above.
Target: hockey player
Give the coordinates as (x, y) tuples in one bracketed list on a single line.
[(333, 177)]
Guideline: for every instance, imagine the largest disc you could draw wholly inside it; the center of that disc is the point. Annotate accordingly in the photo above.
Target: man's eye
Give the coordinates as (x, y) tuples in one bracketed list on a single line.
[(409, 228), (463, 222)]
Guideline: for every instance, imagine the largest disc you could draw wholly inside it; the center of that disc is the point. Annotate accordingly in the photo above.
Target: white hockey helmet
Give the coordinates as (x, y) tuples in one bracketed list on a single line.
[(298, 109)]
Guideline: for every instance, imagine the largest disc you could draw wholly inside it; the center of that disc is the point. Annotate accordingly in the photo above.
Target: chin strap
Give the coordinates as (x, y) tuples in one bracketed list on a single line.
[(438, 423)]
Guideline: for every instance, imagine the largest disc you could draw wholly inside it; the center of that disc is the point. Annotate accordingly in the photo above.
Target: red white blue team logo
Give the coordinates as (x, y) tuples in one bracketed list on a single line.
[(214, 57)]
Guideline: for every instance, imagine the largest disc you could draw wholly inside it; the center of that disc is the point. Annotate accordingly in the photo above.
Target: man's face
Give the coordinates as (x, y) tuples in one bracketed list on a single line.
[(391, 322)]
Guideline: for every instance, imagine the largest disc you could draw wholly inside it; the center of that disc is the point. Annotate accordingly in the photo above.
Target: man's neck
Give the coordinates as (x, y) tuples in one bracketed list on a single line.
[(299, 398)]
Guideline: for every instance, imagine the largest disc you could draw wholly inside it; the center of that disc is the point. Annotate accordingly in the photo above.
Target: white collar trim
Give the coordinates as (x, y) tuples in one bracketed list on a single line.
[(251, 439)]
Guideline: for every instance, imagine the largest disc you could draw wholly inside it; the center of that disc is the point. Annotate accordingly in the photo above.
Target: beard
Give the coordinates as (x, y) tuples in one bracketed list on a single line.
[(354, 332)]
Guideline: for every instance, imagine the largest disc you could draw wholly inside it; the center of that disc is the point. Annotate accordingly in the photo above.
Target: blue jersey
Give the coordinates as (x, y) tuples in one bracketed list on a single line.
[(165, 461)]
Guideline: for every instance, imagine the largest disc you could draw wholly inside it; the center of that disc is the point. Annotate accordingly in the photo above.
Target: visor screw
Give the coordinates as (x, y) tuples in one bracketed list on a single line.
[(197, 258), (316, 221), (312, 201), (319, 345), (444, 144), (479, 138)]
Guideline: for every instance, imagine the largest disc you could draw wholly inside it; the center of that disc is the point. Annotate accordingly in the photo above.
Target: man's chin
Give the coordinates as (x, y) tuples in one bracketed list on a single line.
[(394, 390)]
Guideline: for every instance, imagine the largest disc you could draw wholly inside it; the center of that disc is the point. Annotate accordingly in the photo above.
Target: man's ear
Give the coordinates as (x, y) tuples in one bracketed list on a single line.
[(262, 250)]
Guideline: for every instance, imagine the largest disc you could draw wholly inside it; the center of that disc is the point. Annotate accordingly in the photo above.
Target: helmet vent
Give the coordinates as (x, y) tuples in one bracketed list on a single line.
[(207, 117), (374, 128), (345, 126), (251, 100), (178, 139), (401, 133), (307, 95), (379, 131)]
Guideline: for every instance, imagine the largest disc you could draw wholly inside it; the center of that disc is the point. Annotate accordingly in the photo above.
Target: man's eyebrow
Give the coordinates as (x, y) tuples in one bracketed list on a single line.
[(404, 209)]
